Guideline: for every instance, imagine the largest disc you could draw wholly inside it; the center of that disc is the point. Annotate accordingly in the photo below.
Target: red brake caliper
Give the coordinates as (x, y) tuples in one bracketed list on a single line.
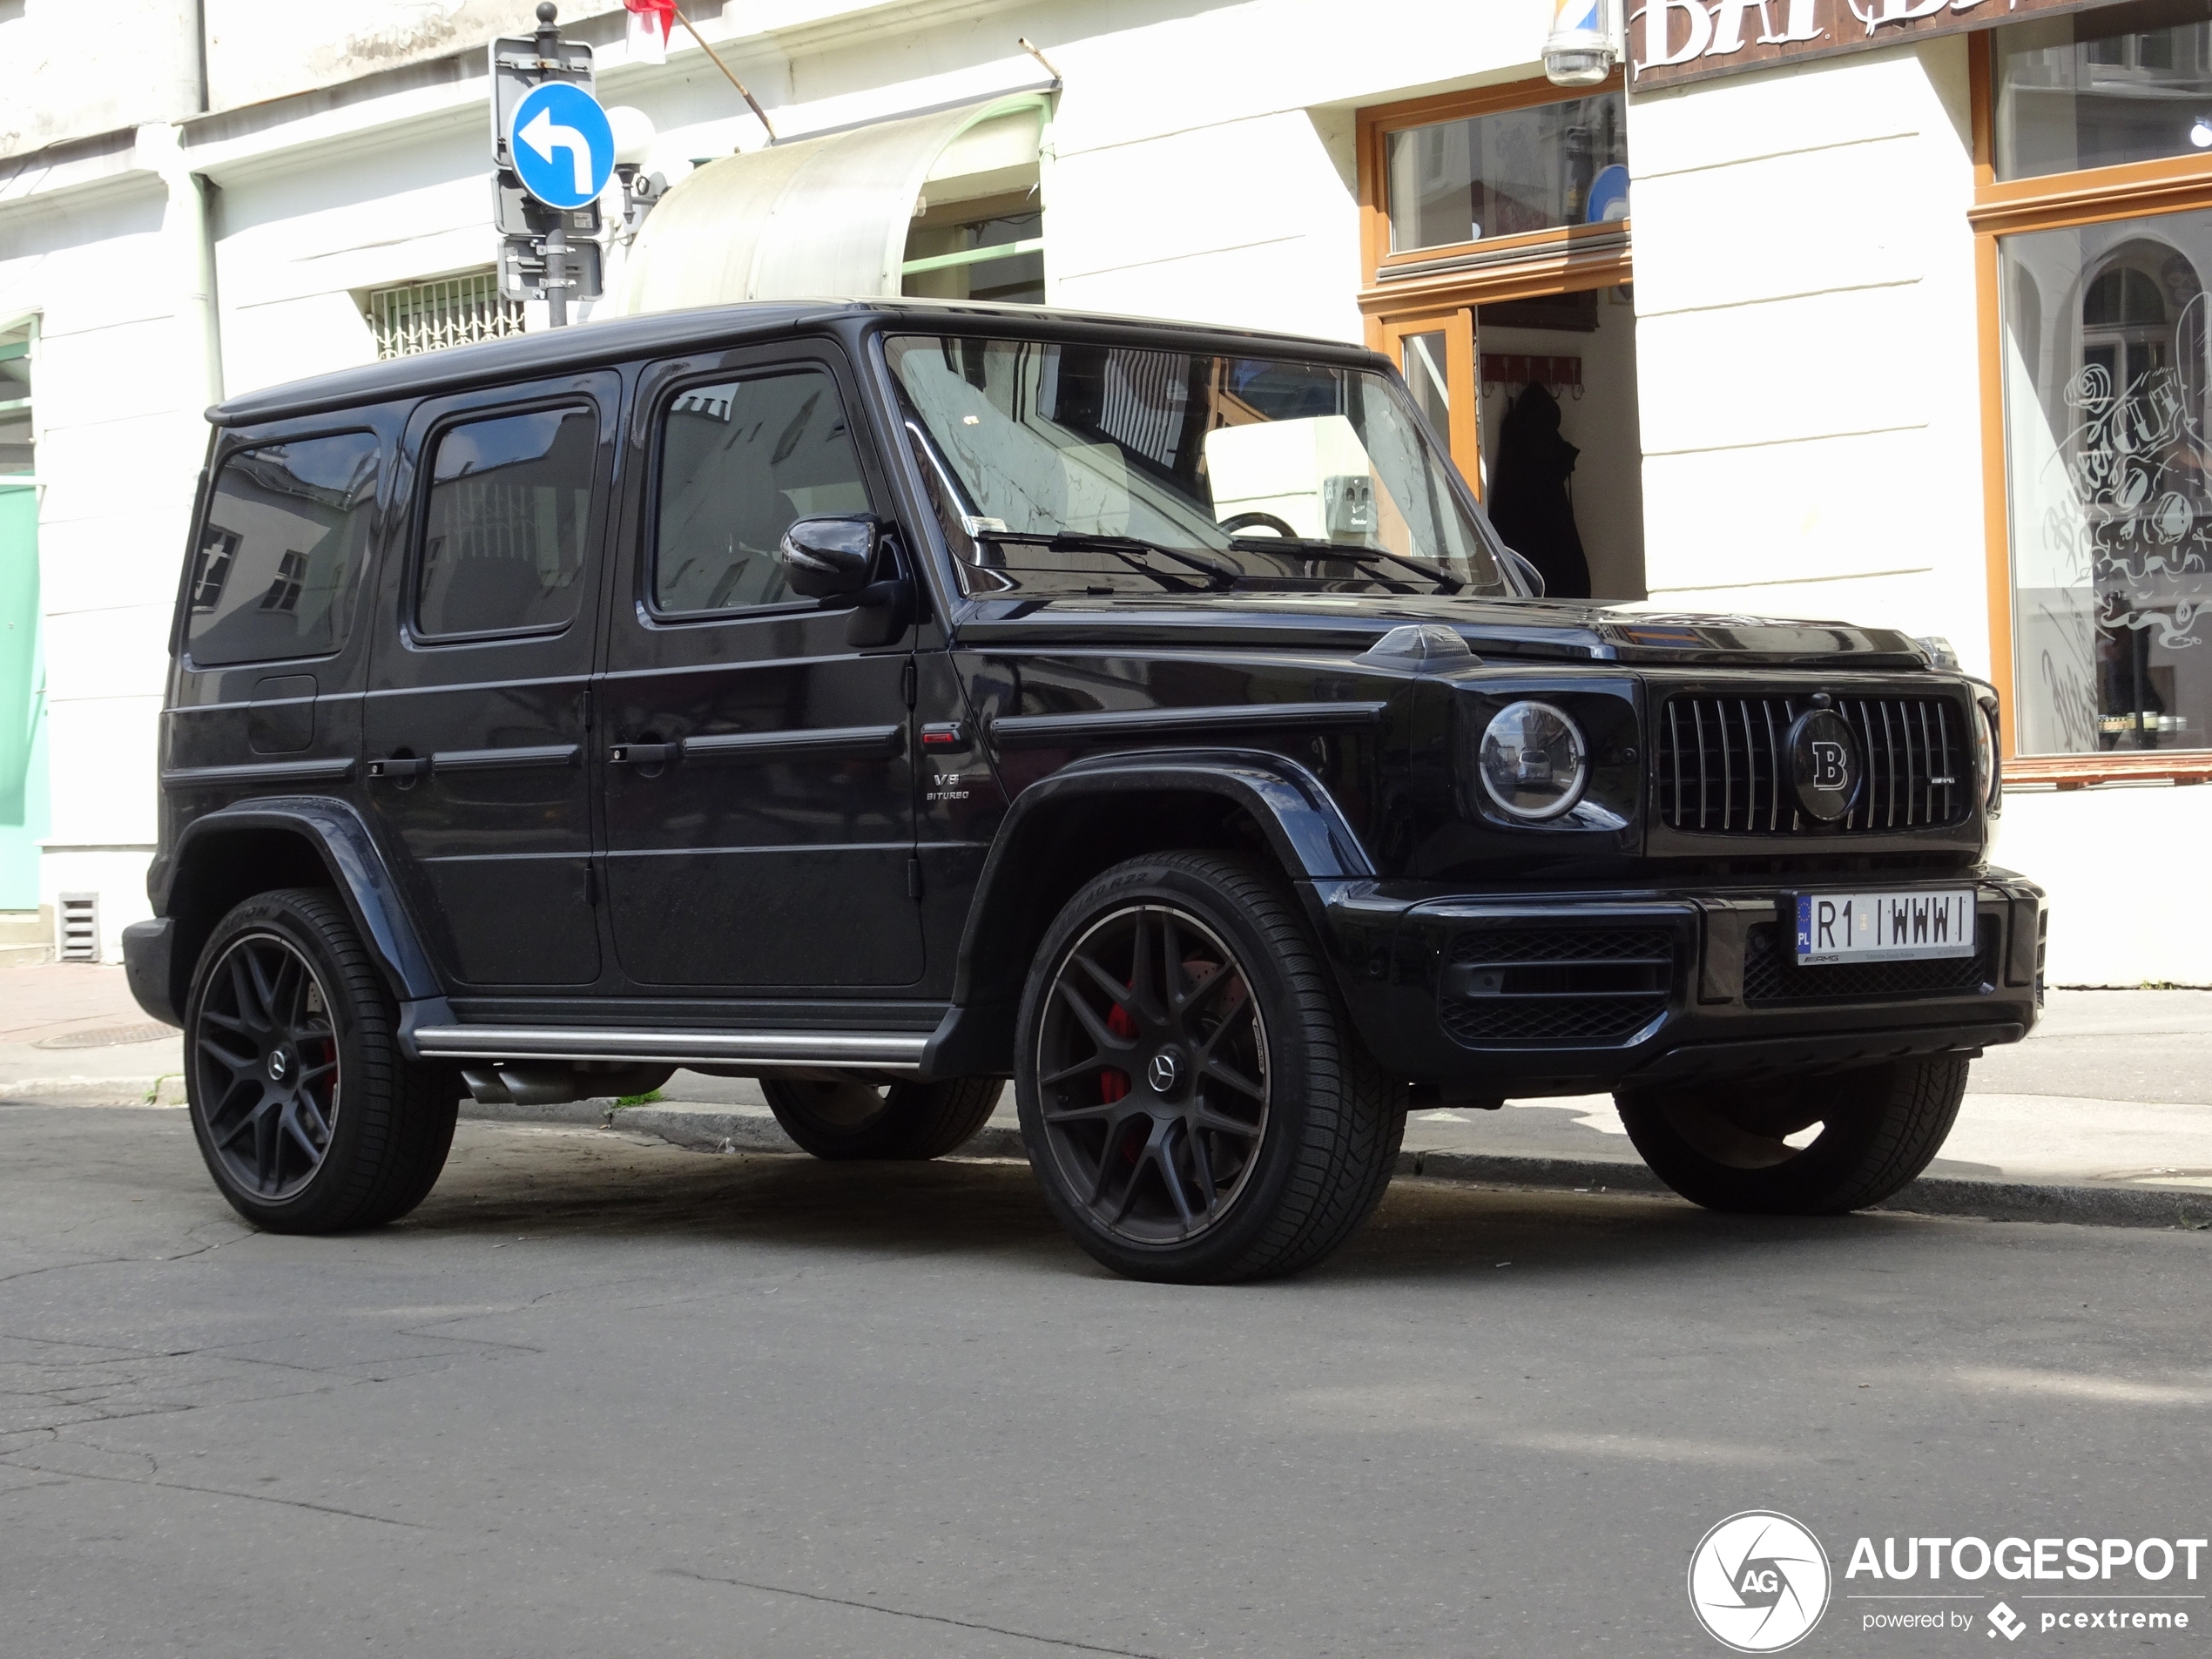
[(1113, 1082)]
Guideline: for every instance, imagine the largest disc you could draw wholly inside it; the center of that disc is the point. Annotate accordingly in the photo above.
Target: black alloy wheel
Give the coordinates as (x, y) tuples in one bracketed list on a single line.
[(309, 1118), (1194, 1100), (1802, 1146), (266, 1055), (1152, 1074)]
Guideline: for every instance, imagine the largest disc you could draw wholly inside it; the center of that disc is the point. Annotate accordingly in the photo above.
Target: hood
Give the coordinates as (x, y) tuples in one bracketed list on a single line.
[(1545, 629)]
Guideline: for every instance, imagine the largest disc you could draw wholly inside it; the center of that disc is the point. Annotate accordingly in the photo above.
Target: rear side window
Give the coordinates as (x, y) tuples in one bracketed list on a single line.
[(740, 461), (280, 553), (502, 543)]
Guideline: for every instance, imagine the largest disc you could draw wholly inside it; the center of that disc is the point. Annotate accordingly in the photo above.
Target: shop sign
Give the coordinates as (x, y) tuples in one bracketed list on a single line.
[(1674, 41)]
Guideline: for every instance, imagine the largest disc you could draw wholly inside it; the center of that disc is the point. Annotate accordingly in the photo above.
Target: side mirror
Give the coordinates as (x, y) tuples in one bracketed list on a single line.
[(825, 558), (1531, 577)]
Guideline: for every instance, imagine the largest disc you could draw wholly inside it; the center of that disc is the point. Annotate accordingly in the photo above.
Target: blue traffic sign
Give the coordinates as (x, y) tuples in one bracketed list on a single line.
[(562, 144)]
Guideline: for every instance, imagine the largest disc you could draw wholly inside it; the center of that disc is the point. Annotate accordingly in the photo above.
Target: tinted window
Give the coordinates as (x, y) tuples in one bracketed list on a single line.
[(740, 461), (502, 549), (286, 530)]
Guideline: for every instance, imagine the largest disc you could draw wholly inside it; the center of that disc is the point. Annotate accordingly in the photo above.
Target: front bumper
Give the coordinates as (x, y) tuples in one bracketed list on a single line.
[(1505, 993)]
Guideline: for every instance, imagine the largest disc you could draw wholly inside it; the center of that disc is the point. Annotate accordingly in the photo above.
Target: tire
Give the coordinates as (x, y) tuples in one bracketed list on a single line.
[(1247, 1134), (1722, 1146), (309, 1118), (842, 1118)]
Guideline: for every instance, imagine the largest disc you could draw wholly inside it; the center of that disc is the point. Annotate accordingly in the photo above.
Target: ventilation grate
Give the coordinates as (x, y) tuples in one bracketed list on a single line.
[(1574, 989), (1771, 974), (79, 926), (453, 311)]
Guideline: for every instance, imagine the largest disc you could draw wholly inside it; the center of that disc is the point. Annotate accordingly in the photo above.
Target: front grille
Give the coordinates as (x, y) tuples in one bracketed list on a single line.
[(1581, 990), (1722, 764), (1771, 974)]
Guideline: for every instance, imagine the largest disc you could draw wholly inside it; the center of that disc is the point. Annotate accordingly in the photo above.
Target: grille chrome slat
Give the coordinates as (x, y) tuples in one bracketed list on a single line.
[(1722, 764)]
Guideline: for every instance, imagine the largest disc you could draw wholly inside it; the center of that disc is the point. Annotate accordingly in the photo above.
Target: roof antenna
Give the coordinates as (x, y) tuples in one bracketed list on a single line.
[(1023, 41)]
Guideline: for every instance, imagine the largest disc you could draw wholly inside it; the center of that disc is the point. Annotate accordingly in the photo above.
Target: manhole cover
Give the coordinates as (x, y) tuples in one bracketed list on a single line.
[(109, 1036)]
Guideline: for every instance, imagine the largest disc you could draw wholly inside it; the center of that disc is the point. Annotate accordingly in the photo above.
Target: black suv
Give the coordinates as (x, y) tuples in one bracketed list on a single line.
[(883, 701)]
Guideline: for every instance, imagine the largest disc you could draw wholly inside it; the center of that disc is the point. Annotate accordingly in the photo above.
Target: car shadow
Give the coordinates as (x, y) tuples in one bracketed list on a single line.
[(583, 1185)]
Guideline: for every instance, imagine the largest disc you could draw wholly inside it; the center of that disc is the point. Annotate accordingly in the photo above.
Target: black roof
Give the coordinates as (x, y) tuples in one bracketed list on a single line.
[(623, 337)]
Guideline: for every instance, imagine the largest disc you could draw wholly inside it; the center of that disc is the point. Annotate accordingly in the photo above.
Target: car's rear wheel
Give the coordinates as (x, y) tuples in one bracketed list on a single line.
[(847, 1118), (1808, 1146), (308, 1116), (1192, 1097)]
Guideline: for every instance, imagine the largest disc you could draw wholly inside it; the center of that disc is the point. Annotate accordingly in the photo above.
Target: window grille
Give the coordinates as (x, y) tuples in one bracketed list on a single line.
[(429, 316)]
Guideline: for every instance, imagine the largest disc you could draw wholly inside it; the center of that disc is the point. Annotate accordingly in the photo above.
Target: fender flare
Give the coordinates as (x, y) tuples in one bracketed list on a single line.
[(349, 855), (1305, 830)]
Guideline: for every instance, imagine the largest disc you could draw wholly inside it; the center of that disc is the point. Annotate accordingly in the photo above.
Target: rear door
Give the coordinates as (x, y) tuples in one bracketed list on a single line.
[(476, 721), (759, 788)]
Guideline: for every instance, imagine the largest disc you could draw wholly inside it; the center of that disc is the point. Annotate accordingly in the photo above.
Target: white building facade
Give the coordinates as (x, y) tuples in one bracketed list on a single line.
[(1803, 376)]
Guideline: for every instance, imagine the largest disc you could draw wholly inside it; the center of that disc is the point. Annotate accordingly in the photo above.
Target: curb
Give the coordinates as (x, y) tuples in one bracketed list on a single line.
[(2096, 1206), (164, 1091)]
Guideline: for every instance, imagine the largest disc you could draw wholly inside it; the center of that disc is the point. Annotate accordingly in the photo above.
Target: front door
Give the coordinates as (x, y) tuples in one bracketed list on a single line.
[(759, 787), (475, 722)]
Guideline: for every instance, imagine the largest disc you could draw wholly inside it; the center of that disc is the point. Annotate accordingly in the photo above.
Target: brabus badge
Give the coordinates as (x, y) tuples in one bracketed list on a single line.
[(1823, 765)]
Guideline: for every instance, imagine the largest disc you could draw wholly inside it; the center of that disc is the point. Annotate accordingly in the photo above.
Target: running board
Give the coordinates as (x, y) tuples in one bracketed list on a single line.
[(867, 1051)]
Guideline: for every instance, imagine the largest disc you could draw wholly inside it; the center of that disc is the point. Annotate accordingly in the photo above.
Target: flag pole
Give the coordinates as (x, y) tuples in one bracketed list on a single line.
[(752, 102)]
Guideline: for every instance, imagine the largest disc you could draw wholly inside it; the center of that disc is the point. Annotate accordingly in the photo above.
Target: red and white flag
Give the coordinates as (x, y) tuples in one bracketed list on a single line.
[(651, 21)]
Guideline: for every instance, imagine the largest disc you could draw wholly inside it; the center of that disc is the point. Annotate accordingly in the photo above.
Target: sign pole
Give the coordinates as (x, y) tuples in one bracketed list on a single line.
[(557, 277)]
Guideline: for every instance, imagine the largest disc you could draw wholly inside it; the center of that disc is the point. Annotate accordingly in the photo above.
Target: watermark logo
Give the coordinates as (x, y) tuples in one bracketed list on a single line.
[(2006, 1623), (1759, 1582)]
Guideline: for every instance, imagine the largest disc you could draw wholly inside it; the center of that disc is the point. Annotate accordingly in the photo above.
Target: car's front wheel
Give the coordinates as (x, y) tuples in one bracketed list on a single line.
[(1801, 1147), (308, 1116), (1193, 1098)]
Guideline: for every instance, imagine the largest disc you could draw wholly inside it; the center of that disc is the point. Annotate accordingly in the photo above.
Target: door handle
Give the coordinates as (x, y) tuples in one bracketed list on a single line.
[(642, 754), (397, 766)]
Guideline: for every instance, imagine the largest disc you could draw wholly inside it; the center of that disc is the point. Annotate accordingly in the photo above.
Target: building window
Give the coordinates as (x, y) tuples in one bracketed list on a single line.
[(17, 452), (429, 316), (2099, 88), (2102, 356), (1507, 173), (1496, 245)]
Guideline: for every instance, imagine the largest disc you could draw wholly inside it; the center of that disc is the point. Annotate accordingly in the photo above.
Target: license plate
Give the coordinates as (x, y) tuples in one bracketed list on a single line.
[(1885, 926)]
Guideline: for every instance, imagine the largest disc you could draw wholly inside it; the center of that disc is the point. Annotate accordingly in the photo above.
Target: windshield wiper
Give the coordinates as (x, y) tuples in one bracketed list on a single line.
[(1368, 555), (1131, 549)]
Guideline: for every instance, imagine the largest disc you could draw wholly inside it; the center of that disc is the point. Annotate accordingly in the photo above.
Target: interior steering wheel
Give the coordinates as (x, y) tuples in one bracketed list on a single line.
[(1264, 520)]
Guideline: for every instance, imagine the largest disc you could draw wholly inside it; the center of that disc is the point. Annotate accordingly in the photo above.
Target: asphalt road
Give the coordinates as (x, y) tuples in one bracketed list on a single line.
[(601, 1396)]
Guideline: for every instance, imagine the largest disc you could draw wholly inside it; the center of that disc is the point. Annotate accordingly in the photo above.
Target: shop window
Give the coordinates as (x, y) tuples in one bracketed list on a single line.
[(2096, 89), (17, 452), (740, 460), (502, 543), (282, 549), (1506, 172), (2108, 441)]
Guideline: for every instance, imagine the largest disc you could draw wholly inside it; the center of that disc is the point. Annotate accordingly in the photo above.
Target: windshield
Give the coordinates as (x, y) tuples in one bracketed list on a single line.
[(1113, 466)]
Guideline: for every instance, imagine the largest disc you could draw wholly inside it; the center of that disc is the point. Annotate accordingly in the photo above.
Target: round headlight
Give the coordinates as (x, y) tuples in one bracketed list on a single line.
[(1534, 762)]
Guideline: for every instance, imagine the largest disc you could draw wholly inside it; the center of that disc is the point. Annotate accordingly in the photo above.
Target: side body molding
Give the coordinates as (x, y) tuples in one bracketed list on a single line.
[(1304, 828), (190, 887)]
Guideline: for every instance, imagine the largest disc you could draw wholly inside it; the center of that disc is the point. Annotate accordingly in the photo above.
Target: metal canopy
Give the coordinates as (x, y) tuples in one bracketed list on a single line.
[(813, 218)]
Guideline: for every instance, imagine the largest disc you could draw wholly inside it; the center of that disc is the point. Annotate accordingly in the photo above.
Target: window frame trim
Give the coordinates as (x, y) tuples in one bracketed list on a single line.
[(419, 518), (648, 563), (1533, 261), (186, 659), (2049, 202)]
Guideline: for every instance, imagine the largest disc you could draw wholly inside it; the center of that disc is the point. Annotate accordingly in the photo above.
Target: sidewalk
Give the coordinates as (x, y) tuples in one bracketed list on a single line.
[(2104, 1115)]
